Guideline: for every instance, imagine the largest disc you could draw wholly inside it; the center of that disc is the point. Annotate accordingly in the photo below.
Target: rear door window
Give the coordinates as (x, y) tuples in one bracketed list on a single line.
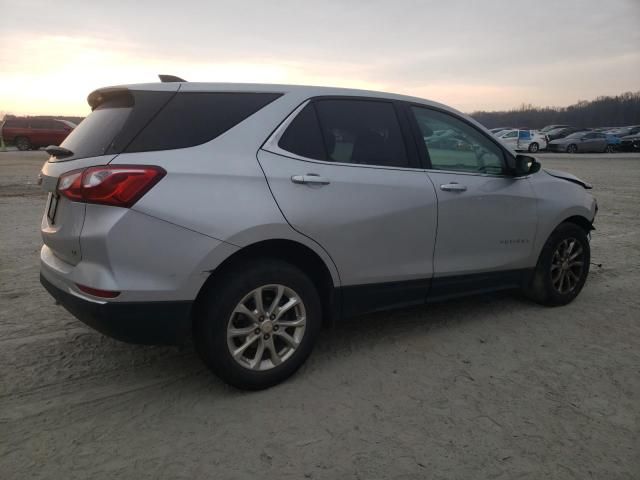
[(362, 132), (356, 131), (303, 136)]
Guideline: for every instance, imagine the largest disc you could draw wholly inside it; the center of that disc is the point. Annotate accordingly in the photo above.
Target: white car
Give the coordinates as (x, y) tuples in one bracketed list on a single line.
[(530, 140)]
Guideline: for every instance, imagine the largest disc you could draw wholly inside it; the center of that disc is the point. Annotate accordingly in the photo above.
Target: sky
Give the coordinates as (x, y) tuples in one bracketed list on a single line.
[(472, 55)]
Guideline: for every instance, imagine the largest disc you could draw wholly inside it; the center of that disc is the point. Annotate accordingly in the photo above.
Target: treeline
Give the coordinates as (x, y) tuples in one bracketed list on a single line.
[(615, 111)]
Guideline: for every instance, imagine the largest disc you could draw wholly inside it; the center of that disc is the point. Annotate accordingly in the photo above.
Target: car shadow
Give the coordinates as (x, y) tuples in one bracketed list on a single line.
[(347, 337)]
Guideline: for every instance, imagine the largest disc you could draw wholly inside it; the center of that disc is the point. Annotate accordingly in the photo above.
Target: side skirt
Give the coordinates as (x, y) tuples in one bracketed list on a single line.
[(445, 288), (368, 298)]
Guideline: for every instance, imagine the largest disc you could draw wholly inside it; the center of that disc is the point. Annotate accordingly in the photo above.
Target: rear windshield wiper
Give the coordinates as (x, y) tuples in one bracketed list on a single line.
[(58, 152)]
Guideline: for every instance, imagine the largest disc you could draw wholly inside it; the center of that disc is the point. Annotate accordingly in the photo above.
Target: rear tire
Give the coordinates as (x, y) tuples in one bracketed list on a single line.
[(22, 143), (534, 147), (563, 267), (253, 346), (609, 149), (573, 148)]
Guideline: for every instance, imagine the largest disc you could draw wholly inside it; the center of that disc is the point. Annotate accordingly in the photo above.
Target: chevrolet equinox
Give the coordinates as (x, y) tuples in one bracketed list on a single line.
[(246, 216)]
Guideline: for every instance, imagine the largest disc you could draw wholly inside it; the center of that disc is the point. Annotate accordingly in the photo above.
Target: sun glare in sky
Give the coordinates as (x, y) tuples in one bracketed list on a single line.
[(53, 84), (489, 55)]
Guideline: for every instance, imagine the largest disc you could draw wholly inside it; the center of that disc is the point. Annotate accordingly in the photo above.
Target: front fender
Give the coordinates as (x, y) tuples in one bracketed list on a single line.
[(557, 201)]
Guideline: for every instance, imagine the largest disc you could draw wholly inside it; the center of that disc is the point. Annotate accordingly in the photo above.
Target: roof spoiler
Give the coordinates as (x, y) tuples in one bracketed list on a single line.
[(170, 78)]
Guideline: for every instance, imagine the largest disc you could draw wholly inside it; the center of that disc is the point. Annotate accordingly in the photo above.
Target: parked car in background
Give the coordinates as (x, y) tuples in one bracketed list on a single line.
[(624, 131), (529, 140), (500, 129), (581, 142), (245, 216), (32, 133), (563, 132), (449, 139), (613, 140), (630, 143), (548, 128)]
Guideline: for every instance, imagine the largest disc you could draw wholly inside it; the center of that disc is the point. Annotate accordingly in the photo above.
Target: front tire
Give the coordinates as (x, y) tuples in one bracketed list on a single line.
[(609, 149), (562, 267), (573, 148), (534, 147), (257, 325)]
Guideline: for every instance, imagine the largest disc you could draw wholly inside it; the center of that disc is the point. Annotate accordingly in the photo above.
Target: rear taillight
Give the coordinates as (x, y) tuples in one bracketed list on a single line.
[(117, 185)]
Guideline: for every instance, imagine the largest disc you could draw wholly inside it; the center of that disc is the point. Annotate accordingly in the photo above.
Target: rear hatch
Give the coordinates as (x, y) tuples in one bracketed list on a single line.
[(118, 115)]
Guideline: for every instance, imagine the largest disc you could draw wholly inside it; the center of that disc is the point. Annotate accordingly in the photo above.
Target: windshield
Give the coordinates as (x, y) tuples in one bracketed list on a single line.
[(576, 135)]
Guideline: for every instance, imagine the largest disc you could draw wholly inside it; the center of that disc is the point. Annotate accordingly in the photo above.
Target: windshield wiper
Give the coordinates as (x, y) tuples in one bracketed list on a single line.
[(58, 152)]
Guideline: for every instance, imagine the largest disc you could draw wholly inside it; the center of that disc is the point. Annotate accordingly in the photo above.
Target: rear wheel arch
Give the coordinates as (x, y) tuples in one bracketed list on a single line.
[(288, 251)]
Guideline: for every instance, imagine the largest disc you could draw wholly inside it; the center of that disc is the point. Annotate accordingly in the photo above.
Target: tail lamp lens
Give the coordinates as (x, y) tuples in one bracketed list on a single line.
[(118, 185)]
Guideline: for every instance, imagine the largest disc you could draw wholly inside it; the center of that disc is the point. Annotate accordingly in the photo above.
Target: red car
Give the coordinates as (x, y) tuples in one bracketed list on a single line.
[(32, 133)]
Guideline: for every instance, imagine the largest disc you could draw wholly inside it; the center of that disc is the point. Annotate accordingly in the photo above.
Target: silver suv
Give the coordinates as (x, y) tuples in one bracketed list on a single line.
[(246, 216)]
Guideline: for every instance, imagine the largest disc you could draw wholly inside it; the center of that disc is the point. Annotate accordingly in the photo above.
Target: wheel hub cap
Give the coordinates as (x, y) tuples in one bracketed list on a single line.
[(567, 266), (266, 327)]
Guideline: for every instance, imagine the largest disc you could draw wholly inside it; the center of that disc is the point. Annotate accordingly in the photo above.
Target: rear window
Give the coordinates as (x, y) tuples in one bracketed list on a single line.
[(96, 133), (141, 121)]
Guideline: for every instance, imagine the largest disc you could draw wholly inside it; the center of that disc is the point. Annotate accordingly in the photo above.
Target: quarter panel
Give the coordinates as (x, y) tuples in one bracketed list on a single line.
[(146, 258)]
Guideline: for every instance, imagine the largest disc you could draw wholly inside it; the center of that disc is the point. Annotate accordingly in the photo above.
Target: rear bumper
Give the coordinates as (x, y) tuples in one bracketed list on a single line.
[(149, 323)]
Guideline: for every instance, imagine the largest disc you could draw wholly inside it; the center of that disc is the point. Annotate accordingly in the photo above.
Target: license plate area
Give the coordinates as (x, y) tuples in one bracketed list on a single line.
[(53, 207)]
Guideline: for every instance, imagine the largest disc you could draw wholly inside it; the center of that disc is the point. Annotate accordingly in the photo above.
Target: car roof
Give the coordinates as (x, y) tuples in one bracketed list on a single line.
[(302, 90)]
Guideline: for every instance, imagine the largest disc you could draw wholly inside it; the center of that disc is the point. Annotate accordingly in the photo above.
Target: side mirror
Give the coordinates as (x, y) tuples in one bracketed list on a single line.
[(526, 165)]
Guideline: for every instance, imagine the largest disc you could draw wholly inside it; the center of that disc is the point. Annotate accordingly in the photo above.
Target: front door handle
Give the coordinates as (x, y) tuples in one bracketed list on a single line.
[(310, 179), (453, 187)]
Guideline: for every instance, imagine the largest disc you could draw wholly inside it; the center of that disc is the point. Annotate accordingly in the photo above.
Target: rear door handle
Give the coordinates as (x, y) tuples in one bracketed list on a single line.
[(453, 187), (310, 179)]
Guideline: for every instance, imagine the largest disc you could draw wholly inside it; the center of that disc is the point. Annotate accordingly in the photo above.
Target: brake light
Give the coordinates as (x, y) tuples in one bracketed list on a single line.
[(117, 185)]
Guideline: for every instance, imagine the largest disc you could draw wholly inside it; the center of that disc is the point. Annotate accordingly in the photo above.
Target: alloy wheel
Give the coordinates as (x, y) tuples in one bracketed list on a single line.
[(266, 327), (567, 266)]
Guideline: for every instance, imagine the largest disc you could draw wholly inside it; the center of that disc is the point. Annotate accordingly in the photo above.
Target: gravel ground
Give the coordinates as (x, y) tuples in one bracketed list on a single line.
[(486, 387)]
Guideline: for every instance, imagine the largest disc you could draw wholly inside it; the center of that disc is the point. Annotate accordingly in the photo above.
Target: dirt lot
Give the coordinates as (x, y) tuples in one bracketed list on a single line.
[(488, 387)]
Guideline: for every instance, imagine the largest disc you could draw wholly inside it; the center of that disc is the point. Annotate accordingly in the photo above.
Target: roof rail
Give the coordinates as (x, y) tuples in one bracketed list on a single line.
[(170, 78)]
